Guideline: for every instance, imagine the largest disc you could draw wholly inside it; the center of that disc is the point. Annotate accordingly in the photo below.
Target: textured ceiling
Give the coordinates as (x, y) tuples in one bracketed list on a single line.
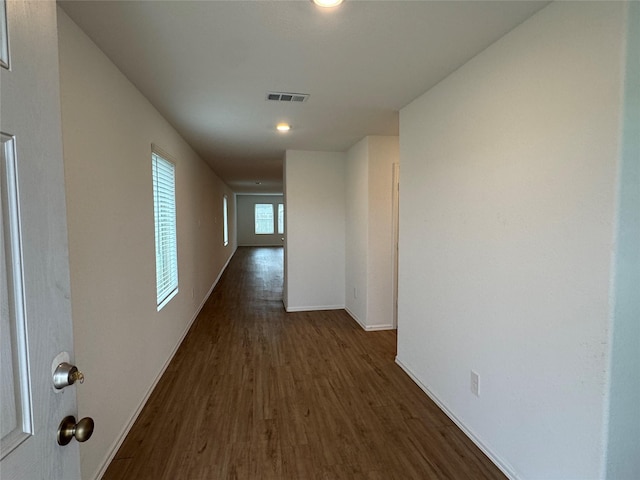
[(206, 66)]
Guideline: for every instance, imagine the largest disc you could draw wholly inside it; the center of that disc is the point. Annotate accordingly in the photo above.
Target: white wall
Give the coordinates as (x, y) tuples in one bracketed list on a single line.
[(122, 342), (246, 220), (623, 461), (369, 231), (357, 230), (315, 220), (506, 232), (383, 153)]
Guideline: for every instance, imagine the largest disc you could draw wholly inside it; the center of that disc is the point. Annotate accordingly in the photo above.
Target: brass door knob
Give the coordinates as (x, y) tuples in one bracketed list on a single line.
[(69, 429)]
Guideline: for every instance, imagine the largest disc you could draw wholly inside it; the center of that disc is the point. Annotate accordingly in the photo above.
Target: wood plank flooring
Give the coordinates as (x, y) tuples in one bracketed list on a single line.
[(257, 393)]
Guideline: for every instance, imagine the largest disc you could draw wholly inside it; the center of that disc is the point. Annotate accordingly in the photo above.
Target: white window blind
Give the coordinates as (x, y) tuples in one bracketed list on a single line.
[(264, 219), (280, 218), (164, 210), (225, 219)]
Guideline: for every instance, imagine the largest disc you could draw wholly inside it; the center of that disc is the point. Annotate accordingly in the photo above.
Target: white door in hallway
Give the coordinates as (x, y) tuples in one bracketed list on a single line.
[(34, 269)]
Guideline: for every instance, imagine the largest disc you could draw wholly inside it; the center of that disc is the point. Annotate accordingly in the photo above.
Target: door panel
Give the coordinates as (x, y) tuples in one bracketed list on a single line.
[(36, 312), (16, 423)]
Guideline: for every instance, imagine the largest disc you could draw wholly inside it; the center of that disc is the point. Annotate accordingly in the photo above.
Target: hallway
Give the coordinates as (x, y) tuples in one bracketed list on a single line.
[(257, 393)]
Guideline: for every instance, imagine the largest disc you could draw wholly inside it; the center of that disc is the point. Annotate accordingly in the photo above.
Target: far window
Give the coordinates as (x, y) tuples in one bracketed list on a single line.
[(280, 218), (225, 221), (264, 219)]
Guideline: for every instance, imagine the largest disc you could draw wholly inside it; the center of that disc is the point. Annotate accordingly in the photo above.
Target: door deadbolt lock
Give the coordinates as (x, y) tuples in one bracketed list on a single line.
[(69, 429), (66, 374)]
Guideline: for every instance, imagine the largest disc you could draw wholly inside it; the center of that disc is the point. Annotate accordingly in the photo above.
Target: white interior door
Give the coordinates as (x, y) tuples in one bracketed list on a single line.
[(34, 269)]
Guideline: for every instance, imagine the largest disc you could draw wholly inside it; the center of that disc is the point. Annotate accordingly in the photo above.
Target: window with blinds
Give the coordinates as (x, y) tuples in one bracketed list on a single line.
[(164, 210), (264, 219), (225, 221), (280, 219)]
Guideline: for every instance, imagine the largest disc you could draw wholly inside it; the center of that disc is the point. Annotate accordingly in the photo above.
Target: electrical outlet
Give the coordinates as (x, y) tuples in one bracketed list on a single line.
[(475, 383), (355, 292)]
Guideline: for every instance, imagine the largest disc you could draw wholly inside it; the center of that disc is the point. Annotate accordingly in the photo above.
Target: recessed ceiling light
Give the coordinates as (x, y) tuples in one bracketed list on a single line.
[(283, 127), (327, 3)]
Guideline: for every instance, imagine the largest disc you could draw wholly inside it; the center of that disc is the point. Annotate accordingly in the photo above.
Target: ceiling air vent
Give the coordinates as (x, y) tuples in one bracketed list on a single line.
[(287, 97)]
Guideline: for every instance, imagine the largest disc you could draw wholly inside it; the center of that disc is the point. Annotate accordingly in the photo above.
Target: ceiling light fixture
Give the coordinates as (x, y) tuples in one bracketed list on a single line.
[(327, 3), (283, 127)]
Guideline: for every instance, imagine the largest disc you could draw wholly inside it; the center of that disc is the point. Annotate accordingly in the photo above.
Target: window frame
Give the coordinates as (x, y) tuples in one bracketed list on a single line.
[(165, 226)]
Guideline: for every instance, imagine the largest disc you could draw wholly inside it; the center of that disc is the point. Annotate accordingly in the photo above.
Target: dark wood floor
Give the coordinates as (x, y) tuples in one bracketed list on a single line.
[(257, 393)]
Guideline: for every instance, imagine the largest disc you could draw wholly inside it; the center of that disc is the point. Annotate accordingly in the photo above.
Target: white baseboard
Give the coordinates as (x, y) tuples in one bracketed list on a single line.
[(262, 245), (501, 464), (215, 282), (368, 328), (316, 308), (125, 431), (378, 328), (356, 318)]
